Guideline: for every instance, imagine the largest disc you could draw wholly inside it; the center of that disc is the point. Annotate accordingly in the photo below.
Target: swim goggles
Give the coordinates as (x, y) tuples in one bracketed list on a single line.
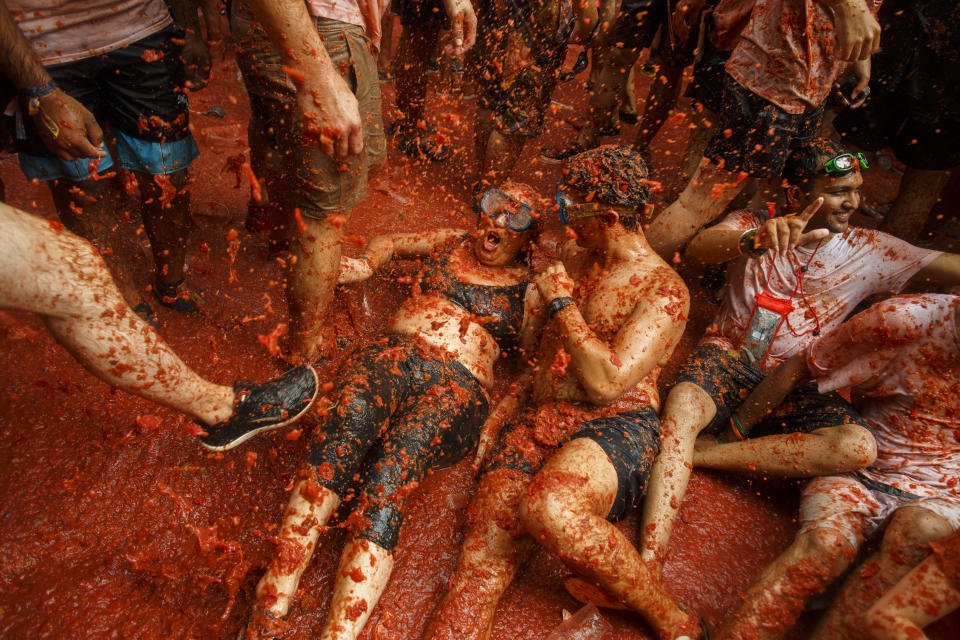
[(569, 210), (845, 163), (495, 203)]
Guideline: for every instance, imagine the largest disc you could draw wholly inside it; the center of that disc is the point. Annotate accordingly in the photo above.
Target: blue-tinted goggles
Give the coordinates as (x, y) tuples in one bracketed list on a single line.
[(495, 203)]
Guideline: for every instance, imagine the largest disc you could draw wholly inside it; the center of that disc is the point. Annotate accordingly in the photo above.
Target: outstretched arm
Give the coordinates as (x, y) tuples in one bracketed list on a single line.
[(945, 270), (383, 248), (721, 243), (508, 407)]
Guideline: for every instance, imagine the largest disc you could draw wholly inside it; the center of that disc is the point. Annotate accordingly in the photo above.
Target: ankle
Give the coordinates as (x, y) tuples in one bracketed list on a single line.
[(222, 401)]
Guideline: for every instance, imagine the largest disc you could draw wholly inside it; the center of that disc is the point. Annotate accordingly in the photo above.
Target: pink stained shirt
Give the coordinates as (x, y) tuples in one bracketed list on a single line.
[(62, 31), (903, 356), (846, 269), (785, 53), (363, 13)]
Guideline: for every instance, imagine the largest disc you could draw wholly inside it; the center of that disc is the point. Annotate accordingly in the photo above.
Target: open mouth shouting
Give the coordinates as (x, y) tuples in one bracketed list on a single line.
[(491, 240)]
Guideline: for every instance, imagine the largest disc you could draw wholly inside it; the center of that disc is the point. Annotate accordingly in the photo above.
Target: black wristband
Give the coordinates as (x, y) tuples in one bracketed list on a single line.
[(559, 304)]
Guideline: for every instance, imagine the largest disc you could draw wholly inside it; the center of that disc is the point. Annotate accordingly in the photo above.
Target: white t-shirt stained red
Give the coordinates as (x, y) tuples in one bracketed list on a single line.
[(61, 31), (841, 272), (903, 356)]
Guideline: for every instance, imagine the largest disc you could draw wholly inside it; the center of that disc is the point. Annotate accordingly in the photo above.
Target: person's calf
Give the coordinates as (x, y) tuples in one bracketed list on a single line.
[(311, 279), (492, 549), (362, 576), (774, 603), (165, 206)]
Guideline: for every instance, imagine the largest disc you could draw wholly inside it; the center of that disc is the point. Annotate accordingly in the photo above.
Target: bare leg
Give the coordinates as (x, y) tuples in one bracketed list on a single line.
[(62, 278), (387, 47), (628, 94), (365, 569), (500, 156), (687, 411), (311, 279), (919, 192), (307, 512), (211, 18), (565, 508), (903, 547), (492, 550), (615, 64), (704, 198), (165, 202), (922, 597), (662, 97), (847, 447), (88, 209), (706, 122), (774, 602), (418, 45)]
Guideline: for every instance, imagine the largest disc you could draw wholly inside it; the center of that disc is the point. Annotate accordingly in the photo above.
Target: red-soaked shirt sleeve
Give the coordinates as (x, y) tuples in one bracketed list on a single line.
[(742, 220), (860, 349)]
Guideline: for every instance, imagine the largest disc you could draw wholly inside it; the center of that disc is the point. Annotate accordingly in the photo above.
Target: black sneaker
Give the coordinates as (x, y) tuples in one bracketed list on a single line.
[(179, 297), (263, 407)]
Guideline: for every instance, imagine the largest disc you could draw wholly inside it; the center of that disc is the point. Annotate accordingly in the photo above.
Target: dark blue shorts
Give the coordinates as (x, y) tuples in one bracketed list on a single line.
[(136, 94)]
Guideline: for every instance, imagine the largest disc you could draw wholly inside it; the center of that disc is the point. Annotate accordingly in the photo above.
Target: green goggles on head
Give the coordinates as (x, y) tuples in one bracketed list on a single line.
[(845, 163)]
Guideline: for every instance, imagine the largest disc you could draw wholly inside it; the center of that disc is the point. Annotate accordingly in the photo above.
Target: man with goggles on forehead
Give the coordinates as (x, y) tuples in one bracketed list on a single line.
[(792, 276), (615, 312)]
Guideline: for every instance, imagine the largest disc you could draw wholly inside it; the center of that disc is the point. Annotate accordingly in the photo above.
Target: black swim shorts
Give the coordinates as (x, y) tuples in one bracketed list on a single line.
[(630, 439), (756, 136), (728, 380)]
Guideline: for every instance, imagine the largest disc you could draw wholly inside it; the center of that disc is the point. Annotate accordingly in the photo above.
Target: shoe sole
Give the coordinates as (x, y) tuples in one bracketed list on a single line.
[(249, 434), (548, 160)]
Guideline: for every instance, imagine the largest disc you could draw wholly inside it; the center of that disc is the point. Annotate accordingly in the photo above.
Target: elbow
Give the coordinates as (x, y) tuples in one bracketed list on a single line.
[(603, 394)]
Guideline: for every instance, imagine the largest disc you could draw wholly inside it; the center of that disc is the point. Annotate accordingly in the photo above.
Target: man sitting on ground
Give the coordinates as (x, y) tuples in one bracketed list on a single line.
[(902, 356), (614, 321), (791, 277), (785, 63)]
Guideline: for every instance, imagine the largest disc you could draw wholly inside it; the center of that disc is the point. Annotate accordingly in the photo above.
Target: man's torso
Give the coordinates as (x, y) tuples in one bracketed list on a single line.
[(61, 31)]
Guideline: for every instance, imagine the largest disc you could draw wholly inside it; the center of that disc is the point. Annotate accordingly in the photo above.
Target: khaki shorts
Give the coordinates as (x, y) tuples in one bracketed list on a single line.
[(313, 181)]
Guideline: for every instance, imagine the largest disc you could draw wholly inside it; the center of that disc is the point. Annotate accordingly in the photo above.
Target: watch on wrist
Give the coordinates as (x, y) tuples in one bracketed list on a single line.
[(559, 304), (748, 246)]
